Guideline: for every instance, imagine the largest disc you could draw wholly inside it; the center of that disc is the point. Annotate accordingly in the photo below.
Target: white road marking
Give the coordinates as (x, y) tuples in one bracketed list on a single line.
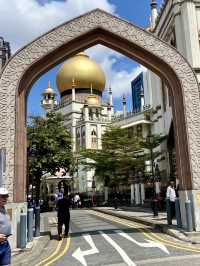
[(122, 253), (148, 244), (79, 254)]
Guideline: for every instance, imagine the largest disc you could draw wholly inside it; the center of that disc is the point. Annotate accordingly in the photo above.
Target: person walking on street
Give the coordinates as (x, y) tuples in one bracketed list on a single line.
[(77, 200), (63, 206), (171, 195), (115, 202), (5, 230)]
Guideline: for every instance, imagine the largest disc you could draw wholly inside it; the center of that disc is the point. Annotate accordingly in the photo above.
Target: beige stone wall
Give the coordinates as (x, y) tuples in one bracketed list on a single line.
[(55, 46)]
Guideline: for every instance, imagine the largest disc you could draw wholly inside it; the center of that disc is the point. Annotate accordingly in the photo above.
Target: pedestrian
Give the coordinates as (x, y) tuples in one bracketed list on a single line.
[(115, 202), (5, 229), (63, 206), (171, 195), (77, 200)]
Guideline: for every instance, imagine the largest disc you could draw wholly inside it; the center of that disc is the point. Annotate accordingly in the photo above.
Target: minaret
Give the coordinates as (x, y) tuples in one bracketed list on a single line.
[(73, 90), (110, 97), (110, 104), (5, 52), (142, 98), (154, 13), (49, 101), (124, 106)]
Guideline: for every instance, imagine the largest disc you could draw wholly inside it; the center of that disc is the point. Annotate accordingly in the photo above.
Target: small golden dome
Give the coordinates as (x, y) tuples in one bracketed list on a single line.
[(83, 71), (49, 91), (93, 100)]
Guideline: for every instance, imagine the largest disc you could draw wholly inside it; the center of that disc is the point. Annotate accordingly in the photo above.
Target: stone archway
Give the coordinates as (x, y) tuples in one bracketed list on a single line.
[(99, 27)]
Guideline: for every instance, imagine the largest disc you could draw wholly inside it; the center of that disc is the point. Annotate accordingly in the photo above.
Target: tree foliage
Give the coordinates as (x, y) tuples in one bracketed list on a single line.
[(122, 155), (117, 159), (49, 146)]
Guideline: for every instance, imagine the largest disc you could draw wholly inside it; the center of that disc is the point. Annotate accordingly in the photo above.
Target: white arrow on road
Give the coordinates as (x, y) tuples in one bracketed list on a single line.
[(121, 252), (148, 244), (79, 254)]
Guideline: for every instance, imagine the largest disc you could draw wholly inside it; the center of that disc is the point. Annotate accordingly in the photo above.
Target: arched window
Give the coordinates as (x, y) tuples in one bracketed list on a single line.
[(94, 139)]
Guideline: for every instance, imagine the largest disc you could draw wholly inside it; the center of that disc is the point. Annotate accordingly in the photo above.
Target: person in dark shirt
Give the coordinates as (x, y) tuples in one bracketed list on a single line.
[(63, 206)]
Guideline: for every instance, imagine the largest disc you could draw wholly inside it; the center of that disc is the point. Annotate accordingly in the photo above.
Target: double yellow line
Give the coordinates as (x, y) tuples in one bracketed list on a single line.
[(56, 255), (145, 231)]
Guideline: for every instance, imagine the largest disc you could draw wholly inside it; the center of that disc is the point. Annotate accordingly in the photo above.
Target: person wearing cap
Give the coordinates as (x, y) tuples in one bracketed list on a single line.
[(5, 229)]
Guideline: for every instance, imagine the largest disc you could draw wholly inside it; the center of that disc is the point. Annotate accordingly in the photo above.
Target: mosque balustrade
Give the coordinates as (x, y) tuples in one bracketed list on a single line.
[(62, 104), (94, 119), (134, 116)]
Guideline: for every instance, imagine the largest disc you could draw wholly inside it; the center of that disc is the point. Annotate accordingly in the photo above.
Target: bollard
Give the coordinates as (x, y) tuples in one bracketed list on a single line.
[(168, 209), (37, 221), (178, 213), (188, 209), (23, 230), (30, 225)]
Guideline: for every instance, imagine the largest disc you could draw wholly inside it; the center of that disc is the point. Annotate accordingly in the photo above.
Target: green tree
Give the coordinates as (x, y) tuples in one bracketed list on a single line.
[(49, 147), (149, 145), (118, 157)]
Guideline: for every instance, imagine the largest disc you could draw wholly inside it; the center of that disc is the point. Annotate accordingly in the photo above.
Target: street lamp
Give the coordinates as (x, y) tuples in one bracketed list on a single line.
[(154, 199)]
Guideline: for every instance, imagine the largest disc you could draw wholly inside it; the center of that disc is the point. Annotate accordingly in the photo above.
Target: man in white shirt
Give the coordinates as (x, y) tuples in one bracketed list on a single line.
[(77, 200), (171, 195)]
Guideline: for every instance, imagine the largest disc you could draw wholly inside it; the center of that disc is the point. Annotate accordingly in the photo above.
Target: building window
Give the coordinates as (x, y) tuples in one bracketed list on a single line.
[(90, 115), (173, 38), (94, 139), (83, 136), (139, 130), (137, 85), (78, 139)]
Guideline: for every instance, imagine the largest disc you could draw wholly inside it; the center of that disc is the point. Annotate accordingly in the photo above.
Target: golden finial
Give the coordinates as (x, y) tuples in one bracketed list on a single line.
[(73, 83), (49, 84)]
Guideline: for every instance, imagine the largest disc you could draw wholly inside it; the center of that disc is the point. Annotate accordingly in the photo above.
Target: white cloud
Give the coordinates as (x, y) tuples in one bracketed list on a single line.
[(119, 80), (21, 20)]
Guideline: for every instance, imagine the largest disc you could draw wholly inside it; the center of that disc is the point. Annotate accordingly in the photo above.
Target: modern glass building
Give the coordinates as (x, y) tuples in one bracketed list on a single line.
[(137, 86)]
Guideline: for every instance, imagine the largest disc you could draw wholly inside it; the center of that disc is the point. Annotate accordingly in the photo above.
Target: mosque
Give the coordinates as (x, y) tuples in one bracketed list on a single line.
[(81, 82), (87, 116)]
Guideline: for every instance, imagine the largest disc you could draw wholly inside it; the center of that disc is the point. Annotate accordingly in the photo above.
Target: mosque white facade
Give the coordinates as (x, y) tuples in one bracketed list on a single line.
[(81, 82), (178, 23)]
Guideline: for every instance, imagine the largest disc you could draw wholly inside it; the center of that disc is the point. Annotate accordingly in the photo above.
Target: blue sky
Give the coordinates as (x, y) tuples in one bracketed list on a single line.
[(26, 20)]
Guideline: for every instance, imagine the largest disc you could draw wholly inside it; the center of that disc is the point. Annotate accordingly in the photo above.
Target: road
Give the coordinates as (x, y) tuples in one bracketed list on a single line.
[(98, 239)]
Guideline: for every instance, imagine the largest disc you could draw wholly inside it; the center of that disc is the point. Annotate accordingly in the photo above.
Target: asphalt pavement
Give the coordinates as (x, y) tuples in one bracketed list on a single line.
[(100, 239)]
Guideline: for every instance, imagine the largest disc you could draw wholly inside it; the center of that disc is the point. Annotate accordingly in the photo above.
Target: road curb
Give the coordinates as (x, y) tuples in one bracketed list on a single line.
[(163, 228)]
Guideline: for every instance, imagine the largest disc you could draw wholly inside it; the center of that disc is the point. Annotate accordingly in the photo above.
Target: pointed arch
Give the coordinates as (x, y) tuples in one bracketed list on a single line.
[(98, 27)]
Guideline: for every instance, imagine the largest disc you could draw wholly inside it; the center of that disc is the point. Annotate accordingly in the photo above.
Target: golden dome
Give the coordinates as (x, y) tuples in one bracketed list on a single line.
[(93, 100), (83, 71), (49, 91)]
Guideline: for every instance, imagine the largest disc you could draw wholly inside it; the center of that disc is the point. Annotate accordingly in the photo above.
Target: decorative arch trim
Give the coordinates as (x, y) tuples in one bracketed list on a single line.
[(97, 27)]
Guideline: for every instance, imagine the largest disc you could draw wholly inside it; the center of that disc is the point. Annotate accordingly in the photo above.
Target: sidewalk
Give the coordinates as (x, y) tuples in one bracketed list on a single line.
[(34, 249), (145, 216)]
